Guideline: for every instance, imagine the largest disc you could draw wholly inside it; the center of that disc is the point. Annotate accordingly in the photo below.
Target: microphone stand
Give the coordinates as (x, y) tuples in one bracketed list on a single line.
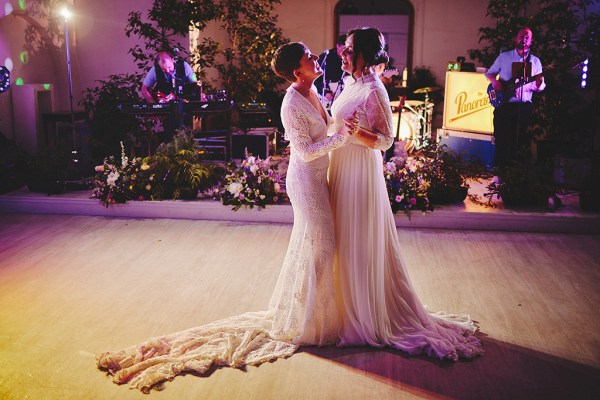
[(74, 155), (324, 68), (522, 88), (339, 87)]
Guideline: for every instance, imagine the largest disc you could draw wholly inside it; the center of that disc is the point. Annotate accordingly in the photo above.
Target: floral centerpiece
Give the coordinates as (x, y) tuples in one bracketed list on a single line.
[(118, 182), (254, 182), (406, 184), (176, 171)]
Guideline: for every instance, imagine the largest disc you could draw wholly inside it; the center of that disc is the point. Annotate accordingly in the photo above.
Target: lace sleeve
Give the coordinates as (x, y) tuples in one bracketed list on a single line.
[(379, 115), (297, 127)]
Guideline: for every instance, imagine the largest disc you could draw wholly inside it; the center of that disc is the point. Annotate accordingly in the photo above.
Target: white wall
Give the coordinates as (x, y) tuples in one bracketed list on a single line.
[(102, 46), (442, 30)]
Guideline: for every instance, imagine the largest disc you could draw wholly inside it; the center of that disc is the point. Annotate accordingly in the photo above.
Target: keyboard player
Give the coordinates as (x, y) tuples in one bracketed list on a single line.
[(165, 82)]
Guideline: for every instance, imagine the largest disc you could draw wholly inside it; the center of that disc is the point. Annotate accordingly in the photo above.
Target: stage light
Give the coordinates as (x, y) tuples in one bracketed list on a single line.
[(4, 79), (8, 63), (453, 66), (8, 9), (19, 81), (22, 4), (584, 71), (460, 65), (65, 13)]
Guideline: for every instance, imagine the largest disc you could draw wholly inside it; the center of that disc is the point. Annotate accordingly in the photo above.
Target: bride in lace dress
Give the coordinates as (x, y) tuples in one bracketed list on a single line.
[(303, 309), (380, 307)]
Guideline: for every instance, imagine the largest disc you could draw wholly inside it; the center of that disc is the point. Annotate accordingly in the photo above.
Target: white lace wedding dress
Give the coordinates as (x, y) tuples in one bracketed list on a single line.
[(380, 307), (303, 309)]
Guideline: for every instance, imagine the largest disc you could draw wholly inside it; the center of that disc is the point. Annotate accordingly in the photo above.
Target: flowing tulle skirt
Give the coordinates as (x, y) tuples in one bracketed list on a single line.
[(379, 304)]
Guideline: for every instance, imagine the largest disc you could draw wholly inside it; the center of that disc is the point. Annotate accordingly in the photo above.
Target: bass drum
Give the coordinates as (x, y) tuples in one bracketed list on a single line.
[(409, 125), (409, 128)]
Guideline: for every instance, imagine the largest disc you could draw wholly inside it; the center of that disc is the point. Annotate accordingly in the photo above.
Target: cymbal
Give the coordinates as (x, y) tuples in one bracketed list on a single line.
[(427, 89)]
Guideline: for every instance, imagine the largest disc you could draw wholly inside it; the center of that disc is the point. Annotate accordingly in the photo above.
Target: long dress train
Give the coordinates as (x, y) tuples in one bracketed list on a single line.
[(303, 309), (379, 304)]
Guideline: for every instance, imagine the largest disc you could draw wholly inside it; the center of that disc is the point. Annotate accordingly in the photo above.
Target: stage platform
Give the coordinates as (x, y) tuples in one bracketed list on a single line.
[(464, 216)]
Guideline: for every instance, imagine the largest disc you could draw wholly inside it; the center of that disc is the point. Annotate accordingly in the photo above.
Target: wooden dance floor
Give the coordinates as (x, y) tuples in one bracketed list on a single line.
[(72, 286)]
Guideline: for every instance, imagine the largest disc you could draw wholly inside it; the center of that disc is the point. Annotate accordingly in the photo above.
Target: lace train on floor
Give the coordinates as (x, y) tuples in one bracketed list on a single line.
[(234, 342)]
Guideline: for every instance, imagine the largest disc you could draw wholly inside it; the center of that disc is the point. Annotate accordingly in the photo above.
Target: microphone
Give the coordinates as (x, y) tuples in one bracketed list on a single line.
[(325, 54)]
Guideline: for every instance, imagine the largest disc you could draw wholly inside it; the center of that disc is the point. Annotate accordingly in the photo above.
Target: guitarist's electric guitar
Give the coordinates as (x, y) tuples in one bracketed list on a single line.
[(389, 72), (499, 97), (162, 98)]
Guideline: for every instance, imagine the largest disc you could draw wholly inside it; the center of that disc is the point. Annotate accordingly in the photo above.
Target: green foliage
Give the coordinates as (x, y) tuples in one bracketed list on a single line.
[(524, 183), (564, 33), (178, 164), (167, 22), (242, 64), (108, 125), (447, 168), (175, 171)]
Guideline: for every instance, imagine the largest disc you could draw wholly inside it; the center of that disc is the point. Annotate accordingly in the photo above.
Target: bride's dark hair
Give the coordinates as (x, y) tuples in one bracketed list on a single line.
[(287, 59), (370, 43)]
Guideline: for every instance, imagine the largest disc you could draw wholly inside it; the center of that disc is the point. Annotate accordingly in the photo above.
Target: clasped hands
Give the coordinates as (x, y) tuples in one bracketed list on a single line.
[(351, 124)]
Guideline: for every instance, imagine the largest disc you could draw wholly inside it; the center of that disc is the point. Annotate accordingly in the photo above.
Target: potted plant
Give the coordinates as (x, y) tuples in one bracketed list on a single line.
[(447, 173), (178, 167), (525, 183)]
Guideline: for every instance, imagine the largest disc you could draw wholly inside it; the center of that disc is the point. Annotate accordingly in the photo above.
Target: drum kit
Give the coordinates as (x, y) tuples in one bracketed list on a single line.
[(412, 119)]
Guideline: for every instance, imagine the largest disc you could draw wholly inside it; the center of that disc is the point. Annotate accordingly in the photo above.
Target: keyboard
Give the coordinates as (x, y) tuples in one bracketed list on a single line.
[(194, 107)]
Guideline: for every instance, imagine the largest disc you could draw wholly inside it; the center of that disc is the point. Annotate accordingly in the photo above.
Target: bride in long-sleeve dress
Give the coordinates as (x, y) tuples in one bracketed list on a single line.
[(380, 307), (303, 309)]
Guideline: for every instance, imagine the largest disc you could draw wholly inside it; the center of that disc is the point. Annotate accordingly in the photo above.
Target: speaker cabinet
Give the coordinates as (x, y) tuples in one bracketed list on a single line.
[(470, 145), (256, 141), (255, 115)]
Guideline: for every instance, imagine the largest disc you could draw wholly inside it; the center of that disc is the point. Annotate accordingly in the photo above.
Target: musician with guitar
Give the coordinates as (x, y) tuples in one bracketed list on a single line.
[(164, 77), (519, 75), (164, 82)]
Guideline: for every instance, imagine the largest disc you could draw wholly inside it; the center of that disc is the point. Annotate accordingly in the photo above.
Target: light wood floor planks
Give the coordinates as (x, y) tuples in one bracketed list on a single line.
[(71, 286)]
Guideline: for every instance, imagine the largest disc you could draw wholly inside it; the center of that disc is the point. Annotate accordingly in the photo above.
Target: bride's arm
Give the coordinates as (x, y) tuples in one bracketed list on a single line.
[(297, 127), (379, 135)]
